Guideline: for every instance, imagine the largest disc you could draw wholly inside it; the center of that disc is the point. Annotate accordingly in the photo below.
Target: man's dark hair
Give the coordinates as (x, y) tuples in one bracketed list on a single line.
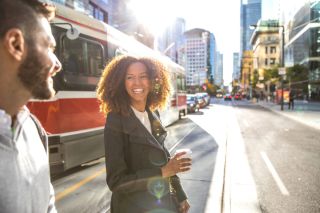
[(24, 15)]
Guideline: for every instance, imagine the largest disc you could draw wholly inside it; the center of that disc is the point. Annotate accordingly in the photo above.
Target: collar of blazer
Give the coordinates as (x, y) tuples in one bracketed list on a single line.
[(132, 126)]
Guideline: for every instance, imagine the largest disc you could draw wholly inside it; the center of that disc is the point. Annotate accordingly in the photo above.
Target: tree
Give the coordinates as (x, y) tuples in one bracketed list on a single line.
[(298, 77)]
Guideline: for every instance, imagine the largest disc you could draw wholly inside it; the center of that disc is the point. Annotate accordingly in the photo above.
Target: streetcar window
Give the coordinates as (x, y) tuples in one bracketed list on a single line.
[(181, 83), (82, 57)]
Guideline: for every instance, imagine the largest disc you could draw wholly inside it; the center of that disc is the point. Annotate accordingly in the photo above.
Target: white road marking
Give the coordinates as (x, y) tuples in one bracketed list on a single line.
[(274, 174)]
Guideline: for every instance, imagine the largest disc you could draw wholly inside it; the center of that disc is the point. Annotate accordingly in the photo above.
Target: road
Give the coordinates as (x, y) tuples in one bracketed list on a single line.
[(283, 159)]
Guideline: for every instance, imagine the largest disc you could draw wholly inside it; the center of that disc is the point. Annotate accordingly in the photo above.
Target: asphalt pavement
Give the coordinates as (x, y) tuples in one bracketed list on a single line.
[(239, 193)]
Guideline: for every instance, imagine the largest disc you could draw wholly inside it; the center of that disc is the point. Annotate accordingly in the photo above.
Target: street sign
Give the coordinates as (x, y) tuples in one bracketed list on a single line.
[(281, 70)]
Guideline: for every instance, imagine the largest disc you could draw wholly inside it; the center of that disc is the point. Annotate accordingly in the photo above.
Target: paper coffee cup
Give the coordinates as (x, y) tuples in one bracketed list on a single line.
[(187, 151)]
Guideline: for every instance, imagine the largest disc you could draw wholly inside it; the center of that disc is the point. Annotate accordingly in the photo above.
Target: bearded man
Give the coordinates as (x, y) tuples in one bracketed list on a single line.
[(27, 64)]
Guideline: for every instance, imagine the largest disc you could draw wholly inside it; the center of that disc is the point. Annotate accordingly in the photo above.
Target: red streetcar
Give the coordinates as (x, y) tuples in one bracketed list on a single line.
[(72, 118)]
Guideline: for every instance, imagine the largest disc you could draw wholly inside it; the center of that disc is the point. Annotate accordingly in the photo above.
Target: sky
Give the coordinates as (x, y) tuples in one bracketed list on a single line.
[(221, 17)]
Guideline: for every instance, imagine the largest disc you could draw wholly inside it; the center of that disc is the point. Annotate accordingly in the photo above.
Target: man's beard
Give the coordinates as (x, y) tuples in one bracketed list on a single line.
[(33, 73)]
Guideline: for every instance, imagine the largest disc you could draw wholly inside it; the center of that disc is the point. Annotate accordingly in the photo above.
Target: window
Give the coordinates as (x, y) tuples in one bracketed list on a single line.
[(272, 61), (98, 13), (266, 50), (181, 85), (266, 62), (82, 61), (273, 49)]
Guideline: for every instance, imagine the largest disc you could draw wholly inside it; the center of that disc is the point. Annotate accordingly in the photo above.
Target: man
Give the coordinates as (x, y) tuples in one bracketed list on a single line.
[(27, 64), (291, 100)]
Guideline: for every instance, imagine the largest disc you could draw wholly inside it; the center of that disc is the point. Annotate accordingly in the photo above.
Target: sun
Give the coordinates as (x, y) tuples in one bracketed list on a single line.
[(156, 15)]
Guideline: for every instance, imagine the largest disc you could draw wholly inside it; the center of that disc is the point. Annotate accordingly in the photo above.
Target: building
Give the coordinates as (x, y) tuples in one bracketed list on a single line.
[(171, 40), (302, 41), (246, 73), (266, 50), (236, 71), (197, 57), (212, 58), (218, 77), (250, 13)]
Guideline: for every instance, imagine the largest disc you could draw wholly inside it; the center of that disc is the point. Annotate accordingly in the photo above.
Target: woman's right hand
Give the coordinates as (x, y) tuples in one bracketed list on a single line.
[(176, 164)]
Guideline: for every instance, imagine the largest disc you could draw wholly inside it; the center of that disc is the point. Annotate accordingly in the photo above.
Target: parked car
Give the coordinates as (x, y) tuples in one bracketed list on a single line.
[(192, 103), (201, 100), (219, 95), (205, 96), (237, 97), (227, 97)]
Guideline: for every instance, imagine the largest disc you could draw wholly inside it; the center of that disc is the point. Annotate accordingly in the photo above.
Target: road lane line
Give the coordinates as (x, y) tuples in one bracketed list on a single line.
[(274, 174), (76, 186), (174, 146)]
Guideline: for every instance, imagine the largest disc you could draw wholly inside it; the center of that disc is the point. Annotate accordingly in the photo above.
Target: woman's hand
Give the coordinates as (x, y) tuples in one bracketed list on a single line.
[(184, 206), (175, 165)]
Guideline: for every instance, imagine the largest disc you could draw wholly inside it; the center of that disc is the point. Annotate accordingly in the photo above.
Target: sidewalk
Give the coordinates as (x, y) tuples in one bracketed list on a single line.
[(304, 112)]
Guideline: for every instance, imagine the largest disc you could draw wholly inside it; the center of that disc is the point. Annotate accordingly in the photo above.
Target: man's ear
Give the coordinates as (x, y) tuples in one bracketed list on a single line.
[(14, 43)]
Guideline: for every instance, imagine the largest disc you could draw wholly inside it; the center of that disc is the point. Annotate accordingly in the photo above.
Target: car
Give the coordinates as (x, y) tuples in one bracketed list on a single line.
[(201, 100), (227, 97), (237, 97), (219, 95), (192, 103), (204, 96)]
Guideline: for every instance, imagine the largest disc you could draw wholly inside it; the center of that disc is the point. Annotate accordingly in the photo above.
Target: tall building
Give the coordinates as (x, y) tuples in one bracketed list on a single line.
[(171, 40), (250, 13), (196, 50), (236, 68), (301, 20), (218, 77), (212, 58)]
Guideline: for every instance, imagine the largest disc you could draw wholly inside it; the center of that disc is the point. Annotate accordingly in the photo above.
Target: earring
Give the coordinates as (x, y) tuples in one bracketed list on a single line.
[(156, 86)]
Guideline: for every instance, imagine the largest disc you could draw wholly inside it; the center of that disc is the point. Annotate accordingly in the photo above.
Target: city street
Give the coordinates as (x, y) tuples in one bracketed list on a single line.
[(254, 159)]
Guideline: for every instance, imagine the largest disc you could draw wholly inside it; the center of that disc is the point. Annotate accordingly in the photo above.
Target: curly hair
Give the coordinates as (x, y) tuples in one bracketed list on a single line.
[(111, 91)]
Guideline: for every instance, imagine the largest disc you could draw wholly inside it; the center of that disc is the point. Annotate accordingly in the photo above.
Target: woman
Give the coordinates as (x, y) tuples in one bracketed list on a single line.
[(140, 172)]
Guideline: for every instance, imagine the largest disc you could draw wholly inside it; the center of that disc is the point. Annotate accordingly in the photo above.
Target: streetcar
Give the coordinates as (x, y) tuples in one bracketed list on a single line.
[(72, 118)]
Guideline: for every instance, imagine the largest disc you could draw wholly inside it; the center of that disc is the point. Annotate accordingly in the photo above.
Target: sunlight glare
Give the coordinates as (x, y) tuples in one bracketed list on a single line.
[(156, 15)]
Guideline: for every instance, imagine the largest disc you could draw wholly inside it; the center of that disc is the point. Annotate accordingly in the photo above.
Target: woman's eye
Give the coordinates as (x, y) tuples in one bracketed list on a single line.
[(129, 78)]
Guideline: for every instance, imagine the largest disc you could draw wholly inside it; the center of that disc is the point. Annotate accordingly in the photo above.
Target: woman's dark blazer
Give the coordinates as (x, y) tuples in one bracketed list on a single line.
[(134, 158)]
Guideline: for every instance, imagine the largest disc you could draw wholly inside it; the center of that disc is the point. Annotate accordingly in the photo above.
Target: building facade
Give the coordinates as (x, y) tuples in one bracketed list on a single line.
[(196, 53), (236, 71), (265, 43), (246, 73), (218, 77), (302, 40), (171, 41), (212, 58), (250, 13), (266, 51)]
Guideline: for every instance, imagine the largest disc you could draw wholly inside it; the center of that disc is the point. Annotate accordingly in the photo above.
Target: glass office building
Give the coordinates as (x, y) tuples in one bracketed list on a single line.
[(250, 14), (302, 40)]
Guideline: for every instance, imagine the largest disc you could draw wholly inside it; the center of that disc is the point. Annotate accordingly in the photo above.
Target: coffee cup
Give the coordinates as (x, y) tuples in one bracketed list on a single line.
[(187, 151)]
